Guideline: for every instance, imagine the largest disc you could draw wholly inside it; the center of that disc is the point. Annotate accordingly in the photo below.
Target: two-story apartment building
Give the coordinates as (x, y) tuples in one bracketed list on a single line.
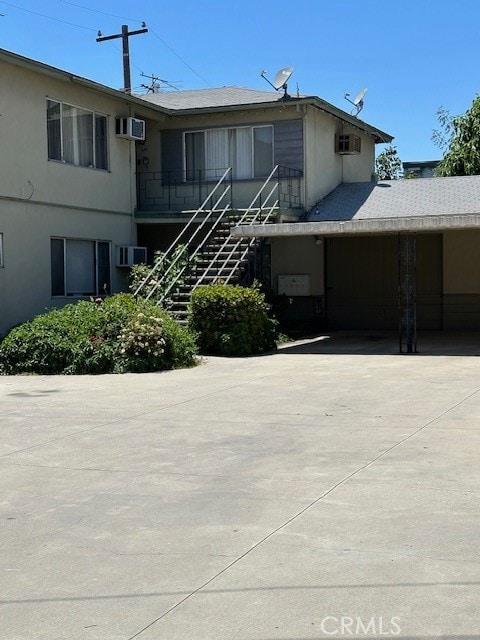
[(75, 185), (72, 191)]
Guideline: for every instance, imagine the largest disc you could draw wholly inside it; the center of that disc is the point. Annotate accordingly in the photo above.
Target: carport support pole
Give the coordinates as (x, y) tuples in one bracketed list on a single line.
[(407, 297)]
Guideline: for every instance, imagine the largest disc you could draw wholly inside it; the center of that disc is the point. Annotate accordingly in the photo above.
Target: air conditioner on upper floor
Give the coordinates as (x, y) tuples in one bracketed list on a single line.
[(130, 128), (348, 144), (127, 256)]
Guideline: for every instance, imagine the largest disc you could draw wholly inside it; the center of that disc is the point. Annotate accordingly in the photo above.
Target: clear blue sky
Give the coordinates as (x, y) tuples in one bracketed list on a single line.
[(412, 56)]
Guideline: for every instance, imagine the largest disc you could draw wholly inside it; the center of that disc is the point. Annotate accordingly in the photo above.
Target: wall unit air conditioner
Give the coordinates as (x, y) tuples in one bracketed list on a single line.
[(130, 128), (348, 144), (128, 256)]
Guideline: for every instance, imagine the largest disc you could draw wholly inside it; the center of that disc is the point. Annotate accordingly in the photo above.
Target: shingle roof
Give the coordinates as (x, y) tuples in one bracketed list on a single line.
[(206, 98), (400, 199), (187, 102)]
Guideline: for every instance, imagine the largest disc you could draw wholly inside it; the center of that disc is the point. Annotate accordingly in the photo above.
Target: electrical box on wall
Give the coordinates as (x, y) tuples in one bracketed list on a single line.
[(292, 285)]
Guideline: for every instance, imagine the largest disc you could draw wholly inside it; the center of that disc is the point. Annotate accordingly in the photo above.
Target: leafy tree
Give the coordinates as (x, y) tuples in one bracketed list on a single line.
[(388, 165), (461, 141)]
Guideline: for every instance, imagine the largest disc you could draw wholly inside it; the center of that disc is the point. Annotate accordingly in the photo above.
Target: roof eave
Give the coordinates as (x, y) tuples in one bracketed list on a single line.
[(380, 136), (376, 226), (65, 76), (251, 106)]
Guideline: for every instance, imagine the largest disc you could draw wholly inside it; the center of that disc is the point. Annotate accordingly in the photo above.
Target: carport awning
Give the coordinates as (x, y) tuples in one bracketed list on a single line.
[(395, 206), (352, 227)]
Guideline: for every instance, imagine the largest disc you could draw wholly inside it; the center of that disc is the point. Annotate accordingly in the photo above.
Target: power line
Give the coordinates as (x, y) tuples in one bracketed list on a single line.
[(80, 26), (105, 13), (131, 61), (42, 15), (125, 35), (112, 15), (154, 80), (180, 58)]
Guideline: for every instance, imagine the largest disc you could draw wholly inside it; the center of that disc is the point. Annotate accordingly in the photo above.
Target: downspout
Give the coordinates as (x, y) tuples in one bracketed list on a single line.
[(303, 109), (132, 181)]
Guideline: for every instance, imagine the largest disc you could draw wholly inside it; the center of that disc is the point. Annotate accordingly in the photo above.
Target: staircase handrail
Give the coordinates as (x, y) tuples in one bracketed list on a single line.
[(196, 252), (172, 264), (254, 219), (250, 243), (249, 209), (176, 242), (259, 193)]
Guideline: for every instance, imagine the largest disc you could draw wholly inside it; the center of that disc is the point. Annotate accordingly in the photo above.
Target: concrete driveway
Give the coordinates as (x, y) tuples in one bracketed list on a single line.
[(329, 490)]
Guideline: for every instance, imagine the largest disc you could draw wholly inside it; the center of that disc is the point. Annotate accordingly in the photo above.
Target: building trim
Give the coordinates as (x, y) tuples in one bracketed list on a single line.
[(59, 205), (354, 227)]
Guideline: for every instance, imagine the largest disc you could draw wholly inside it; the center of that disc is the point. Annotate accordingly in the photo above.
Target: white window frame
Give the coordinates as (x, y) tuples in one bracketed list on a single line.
[(252, 147), (94, 115), (98, 290), (1, 250)]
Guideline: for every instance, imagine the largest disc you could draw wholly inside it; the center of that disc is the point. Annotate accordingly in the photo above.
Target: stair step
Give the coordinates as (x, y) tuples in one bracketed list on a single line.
[(214, 255), (222, 260)]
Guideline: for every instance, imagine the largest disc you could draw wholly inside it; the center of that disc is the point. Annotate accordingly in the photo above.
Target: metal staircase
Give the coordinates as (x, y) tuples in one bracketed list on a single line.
[(214, 255)]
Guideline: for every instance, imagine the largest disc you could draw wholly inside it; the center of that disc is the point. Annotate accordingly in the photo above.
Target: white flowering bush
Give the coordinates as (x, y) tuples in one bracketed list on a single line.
[(142, 342), (116, 335)]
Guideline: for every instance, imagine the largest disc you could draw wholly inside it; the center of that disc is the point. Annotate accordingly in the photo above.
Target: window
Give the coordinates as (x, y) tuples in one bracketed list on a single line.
[(80, 267), (248, 150), (76, 136), (1, 249)]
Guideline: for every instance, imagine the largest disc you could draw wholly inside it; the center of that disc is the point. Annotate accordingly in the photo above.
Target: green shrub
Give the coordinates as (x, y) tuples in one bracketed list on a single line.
[(168, 277), (231, 320), (117, 335)]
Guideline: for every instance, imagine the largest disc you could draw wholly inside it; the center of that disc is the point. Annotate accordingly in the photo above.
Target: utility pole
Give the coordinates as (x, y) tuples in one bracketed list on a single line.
[(126, 51)]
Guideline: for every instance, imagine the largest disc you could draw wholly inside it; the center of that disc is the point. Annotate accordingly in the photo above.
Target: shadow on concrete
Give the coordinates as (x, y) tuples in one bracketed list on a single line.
[(429, 343), (256, 589)]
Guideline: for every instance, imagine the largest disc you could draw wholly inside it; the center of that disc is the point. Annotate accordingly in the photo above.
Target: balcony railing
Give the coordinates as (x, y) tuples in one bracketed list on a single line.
[(171, 191)]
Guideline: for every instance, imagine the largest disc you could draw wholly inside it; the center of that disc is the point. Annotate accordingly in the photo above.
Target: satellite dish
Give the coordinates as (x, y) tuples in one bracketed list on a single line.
[(359, 97), (282, 77), (280, 80), (357, 101)]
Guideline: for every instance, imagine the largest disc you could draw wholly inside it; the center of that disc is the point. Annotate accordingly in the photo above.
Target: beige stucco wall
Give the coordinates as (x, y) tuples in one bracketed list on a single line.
[(326, 169), (298, 256), (25, 278), (148, 151), (360, 168), (461, 264), (41, 198), (323, 166), (26, 172)]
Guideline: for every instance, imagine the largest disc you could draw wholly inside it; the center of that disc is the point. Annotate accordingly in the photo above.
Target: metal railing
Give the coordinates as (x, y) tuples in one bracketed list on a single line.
[(176, 190), (208, 210), (289, 187), (261, 209), (166, 191)]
